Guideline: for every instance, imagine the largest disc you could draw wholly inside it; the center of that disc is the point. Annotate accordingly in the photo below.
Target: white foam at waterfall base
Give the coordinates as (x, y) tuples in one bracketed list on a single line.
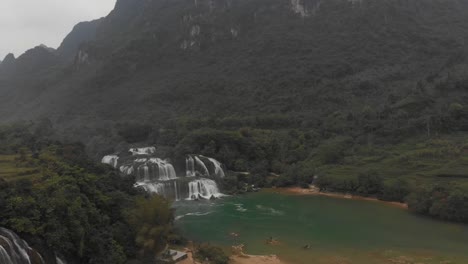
[(192, 214), (203, 188), (152, 187), (111, 160)]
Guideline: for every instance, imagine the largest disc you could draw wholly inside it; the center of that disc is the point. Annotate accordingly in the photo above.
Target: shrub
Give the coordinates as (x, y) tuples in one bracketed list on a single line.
[(211, 253)]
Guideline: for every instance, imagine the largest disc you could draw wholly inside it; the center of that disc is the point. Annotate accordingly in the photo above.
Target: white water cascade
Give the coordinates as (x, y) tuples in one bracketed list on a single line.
[(143, 173), (111, 160), (203, 188), (165, 169), (190, 167), (176, 191), (60, 261), (158, 176), (217, 165), (203, 166), (14, 250), (142, 151), (126, 169), (156, 187)]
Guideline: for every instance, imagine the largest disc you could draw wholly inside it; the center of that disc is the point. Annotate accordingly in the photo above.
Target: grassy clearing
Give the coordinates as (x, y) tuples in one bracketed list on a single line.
[(438, 160), (11, 169)]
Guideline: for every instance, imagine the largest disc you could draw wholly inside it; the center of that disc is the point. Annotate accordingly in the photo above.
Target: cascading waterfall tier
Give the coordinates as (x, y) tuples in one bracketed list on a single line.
[(158, 176), (203, 189), (14, 250), (111, 160)]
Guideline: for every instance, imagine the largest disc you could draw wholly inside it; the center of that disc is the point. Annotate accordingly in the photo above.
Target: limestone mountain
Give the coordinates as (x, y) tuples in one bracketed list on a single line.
[(81, 33), (323, 63)]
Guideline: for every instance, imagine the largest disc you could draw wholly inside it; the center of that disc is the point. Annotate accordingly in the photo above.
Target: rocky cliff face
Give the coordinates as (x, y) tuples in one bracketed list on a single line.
[(81, 33)]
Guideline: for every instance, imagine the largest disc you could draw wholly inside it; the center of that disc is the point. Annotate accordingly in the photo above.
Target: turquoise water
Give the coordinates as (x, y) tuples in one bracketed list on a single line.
[(337, 230)]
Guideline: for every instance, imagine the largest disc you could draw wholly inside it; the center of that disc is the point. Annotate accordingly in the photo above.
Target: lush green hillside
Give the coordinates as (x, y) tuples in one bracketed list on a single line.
[(401, 62), (63, 203), (367, 95)]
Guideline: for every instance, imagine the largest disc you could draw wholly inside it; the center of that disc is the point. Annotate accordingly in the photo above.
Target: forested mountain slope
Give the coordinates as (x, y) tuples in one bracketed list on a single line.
[(315, 61), (343, 90)]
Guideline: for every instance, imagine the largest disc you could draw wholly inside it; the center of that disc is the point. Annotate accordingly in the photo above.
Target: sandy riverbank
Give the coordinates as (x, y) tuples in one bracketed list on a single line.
[(315, 191), (255, 259), (239, 259)]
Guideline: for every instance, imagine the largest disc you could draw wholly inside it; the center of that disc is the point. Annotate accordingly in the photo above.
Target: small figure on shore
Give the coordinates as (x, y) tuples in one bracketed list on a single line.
[(307, 247)]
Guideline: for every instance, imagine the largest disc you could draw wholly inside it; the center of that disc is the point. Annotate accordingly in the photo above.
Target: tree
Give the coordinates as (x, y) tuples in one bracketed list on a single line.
[(152, 220), (370, 183)]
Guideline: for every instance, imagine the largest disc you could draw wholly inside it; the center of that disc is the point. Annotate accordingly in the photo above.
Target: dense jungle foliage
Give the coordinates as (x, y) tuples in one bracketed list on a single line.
[(53, 195), (362, 97), (274, 151)]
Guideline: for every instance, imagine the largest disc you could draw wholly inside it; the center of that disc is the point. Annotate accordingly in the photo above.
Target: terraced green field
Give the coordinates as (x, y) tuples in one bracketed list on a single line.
[(12, 169)]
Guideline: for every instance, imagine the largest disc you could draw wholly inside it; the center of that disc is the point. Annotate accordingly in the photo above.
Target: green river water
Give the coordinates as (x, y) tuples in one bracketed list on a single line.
[(338, 230)]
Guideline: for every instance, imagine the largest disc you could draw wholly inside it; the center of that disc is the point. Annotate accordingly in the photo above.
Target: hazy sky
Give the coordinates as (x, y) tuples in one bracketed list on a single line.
[(25, 24)]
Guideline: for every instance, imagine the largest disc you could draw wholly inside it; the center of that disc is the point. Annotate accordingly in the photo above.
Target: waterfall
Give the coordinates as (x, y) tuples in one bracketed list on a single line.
[(177, 198), (203, 188), (4, 256), (219, 172), (158, 176), (190, 167), (143, 173), (157, 188), (59, 260), (14, 250), (203, 166), (143, 151), (126, 169), (165, 169), (111, 160)]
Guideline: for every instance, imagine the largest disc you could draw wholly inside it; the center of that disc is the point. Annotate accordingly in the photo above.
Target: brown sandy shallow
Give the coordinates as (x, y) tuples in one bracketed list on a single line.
[(239, 259), (315, 191), (256, 259)]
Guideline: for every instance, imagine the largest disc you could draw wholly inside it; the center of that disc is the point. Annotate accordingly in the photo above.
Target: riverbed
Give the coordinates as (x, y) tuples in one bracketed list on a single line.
[(333, 230)]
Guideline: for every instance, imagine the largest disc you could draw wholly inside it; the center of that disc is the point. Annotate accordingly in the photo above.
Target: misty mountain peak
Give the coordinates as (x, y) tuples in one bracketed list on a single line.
[(8, 60)]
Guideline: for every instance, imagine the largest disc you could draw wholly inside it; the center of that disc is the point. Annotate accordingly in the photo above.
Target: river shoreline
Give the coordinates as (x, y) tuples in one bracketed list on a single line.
[(256, 259), (239, 258), (315, 191)]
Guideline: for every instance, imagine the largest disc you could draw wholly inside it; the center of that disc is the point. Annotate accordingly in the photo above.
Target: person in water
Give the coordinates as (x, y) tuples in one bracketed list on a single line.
[(272, 241)]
